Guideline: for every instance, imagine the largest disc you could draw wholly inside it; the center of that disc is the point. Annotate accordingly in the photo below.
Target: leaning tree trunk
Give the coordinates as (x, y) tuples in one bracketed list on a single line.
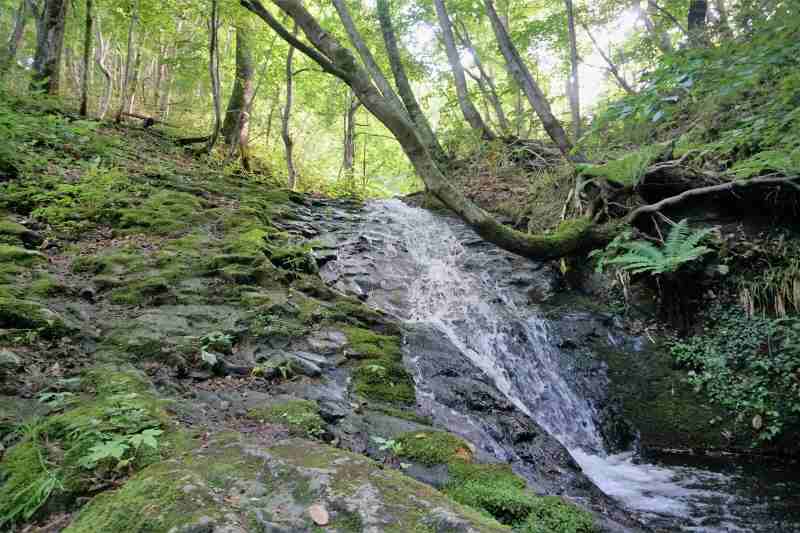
[(87, 53), (333, 58), (286, 117), (9, 56), (49, 46), (520, 72), (236, 128), (574, 85), (403, 85), (471, 114)]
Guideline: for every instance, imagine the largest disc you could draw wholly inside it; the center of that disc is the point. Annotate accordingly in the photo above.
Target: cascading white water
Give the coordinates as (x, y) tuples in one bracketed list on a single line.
[(443, 287)]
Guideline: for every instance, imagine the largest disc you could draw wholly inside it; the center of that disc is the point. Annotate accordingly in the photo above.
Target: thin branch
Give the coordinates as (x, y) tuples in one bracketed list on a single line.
[(700, 191), (669, 15)]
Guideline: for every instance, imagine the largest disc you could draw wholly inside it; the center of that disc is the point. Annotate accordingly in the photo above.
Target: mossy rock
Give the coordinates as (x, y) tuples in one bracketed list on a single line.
[(366, 344), (22, 314), (52, 462), (433, 447), (152, 290), (16, 234), (163, 212), (234, 478), (384, 380), (19, 256), (300, 416)]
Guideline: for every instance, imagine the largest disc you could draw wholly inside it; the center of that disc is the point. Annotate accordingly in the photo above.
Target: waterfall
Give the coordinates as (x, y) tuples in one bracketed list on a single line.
[(433, 271)]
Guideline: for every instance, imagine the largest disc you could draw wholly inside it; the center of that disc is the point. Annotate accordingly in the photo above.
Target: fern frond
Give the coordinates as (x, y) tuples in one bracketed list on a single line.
[(677, 235)]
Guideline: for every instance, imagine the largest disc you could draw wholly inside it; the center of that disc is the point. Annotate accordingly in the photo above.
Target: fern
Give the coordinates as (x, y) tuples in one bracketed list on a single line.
[(682, 246)]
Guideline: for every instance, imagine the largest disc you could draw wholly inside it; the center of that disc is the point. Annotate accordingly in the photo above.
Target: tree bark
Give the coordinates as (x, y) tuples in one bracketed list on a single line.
[(578, 237), (471, 114), (9, 57), (87, 53), (49, 46), (403, 85), (166, 94), (236, 127), (213, 67), (723, 24), (126, 70), (520, 72), (286, 116), (485, 81), (349, 158), (101, 54), (574, 85), (698, 13)]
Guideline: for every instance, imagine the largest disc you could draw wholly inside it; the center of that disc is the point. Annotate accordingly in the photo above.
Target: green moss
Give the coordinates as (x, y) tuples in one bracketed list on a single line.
[(432, 447), (627, 169), (139, 292), (151, 501), (348, 522), (45, 285), (403, 414), (16, 234), (22, 314), (49, 461), (19, 256), (352, 311), (163, 212), (300, 416), (366, 344), (553, 514), (384, 380)]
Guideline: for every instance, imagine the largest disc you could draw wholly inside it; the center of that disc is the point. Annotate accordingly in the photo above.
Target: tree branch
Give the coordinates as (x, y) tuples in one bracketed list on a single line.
[(258, 9), (700, 191)]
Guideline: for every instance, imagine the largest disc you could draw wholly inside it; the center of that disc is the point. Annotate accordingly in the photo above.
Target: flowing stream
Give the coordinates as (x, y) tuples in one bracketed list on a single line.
[(434, 273)]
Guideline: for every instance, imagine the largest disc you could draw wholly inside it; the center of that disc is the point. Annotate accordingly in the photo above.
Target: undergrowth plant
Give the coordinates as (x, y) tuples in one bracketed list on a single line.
[(682, 246), (749, 365)]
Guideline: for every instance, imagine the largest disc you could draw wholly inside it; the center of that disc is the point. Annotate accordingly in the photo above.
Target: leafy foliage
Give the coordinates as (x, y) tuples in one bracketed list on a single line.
[(750, 365), (682, 246)]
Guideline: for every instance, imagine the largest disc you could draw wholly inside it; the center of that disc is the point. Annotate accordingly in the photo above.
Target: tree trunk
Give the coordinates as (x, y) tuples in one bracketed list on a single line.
[(520, 72), (574, 85), (101, 54), (580, 236), (236, 128), (350, 135), (471, 114), (237, 116), (213, 67), (166, 94), (286, 116), (87, 54), (49, 46), (698, 13), (723, 24), (612, 67), (485, 81), (404, 86), (126, 70), (134, 80), (9, 57)]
